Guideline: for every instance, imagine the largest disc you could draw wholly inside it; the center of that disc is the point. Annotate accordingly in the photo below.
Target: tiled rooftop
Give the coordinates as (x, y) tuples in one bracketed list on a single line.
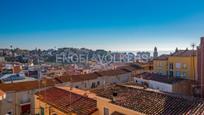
[(152, 103), (67, 101), (179, 53), (130, 67), (112, 72), (162, 57), (28, 85), (95, 75), (77, 78), (184, 53), (78, 91), (159, 78)]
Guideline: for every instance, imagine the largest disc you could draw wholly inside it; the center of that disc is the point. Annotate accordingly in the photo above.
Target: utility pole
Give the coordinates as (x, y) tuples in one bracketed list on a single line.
[(193, 46)]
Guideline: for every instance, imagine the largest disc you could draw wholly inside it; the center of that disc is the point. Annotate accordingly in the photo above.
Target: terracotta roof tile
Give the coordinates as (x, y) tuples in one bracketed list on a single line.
[(95, 75), (162, 57), (67, 101), (111, 72), (152, 103), (77, 78), (184, 53), (131, 67), (28, 85)]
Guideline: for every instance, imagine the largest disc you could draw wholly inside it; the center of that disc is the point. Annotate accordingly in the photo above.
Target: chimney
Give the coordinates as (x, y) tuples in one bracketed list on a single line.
[(115, 94)]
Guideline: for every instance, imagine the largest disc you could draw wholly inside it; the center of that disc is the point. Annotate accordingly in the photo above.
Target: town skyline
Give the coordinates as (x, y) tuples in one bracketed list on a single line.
[(101, 57)]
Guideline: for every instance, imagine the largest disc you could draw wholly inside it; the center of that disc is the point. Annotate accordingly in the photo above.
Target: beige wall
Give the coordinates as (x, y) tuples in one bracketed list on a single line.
[(160, 66), (188, 61), (105, 103), (105, 80), (183, 87), (12, 102)]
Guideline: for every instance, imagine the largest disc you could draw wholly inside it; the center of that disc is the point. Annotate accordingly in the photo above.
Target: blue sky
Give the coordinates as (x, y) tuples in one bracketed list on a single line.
[(118, 25)]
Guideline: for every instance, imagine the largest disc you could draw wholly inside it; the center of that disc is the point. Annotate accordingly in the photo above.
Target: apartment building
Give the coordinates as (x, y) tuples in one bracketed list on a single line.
[(183, 64), (160, 65), (147, 66), (19, 97), (180, 64)]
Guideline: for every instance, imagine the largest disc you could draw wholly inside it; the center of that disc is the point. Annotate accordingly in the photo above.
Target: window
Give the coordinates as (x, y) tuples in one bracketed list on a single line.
[(178, 65), (42, 111), (160, 72), (171, 73), (25, 98), (76, 86), (98, 83), (178, 74), (184, 66), (93, 85), (184, 74), (106, 111), (160, 64), (9, 113), (9, 98), (171, 66), (85, 85)]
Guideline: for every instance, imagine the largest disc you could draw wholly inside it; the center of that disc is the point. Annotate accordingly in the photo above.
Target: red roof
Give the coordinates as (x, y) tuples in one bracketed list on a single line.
[(150, 102), (77, 78), (67, 101), (162, 57), (184, 53), (111, 72), (27, 85), (95, 75)]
